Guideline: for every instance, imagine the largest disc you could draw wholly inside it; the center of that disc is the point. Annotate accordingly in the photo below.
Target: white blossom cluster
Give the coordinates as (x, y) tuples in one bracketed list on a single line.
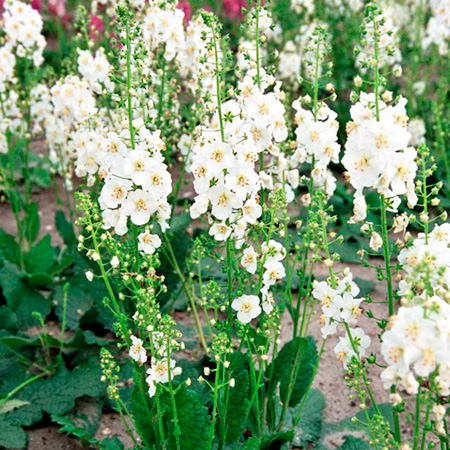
[(95, 69), (197, 61), (248, 307), (306, 7), (417, 341), (225, 179), (163, 26), (137, 181), (438, 27), (388, 37), (317, 143), (340, 305), (23, 28), (160, 368), (377, 154)]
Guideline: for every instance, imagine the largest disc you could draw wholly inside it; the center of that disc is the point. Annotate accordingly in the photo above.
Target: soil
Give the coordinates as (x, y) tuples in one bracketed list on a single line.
[(329, 379)]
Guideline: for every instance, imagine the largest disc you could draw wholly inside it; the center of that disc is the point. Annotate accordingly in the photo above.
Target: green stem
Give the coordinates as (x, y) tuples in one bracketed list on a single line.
[(21, 386), (188, 291)]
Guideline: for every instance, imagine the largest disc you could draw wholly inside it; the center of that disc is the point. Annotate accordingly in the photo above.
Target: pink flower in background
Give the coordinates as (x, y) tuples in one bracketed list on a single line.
[(57, 7), (96, 25), (233, 8), (186, 7), (37, 5)]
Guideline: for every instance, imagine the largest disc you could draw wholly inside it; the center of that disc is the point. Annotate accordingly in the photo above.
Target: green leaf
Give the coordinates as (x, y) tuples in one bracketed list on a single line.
[(252, 443), (31, 222), (193, 420), (299, 355), (11, 405), (79, 341), (143, 415), (65, 229), (9, 248), (180, 243), (309, 428), (56, 395), (36, 280), (274, 441), (40, 259), (11, 435), (22, 299), (237, 407), (349, 425), (83, 296), (353, 443), (40, 177)]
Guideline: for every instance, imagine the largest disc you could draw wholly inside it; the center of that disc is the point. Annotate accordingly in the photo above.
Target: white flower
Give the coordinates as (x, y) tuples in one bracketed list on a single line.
[(220, 231), (137, 350), (376, 242), (89, 275), (247, 307), (274, 272), (148, 242), (139, 205), (115, 263), (249, 260), (159, 370)]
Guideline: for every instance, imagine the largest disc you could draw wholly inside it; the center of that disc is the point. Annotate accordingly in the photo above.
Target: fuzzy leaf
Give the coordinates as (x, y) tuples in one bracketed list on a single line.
[(193, 420), (11, 435), (237, 407), (309, 428), (65, 229), (143, 415), (22, 299), (56, 395), (40, 259), (299, 354), (11, 405)]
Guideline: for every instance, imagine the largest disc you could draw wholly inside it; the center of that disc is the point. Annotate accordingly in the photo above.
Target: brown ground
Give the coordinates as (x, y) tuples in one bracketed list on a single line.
[(329, 378)]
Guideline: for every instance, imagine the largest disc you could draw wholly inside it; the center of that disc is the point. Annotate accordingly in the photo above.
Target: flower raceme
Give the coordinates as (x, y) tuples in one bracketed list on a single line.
[(377, 154)]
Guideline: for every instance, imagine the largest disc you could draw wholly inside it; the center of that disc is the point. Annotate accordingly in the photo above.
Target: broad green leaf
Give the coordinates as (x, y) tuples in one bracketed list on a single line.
[(65, 229), (253, 443), (22, 299), (353, 443), (40, 259), (56, 395), (31, 222), (11, 435), (349, 425), (144, 415), (11, 405), (309, 428), (275, 440), (298, 356), (237, 406), (190, 411), (9, 248)]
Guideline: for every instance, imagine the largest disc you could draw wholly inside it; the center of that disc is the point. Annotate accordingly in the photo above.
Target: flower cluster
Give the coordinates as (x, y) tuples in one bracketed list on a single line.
[(340, 305), (317, 143), (163, 26), (377, 154), (224, 159), (416, 343), (161, 370), (137, 181), (95, 69), (438, 27), (23, 27)]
